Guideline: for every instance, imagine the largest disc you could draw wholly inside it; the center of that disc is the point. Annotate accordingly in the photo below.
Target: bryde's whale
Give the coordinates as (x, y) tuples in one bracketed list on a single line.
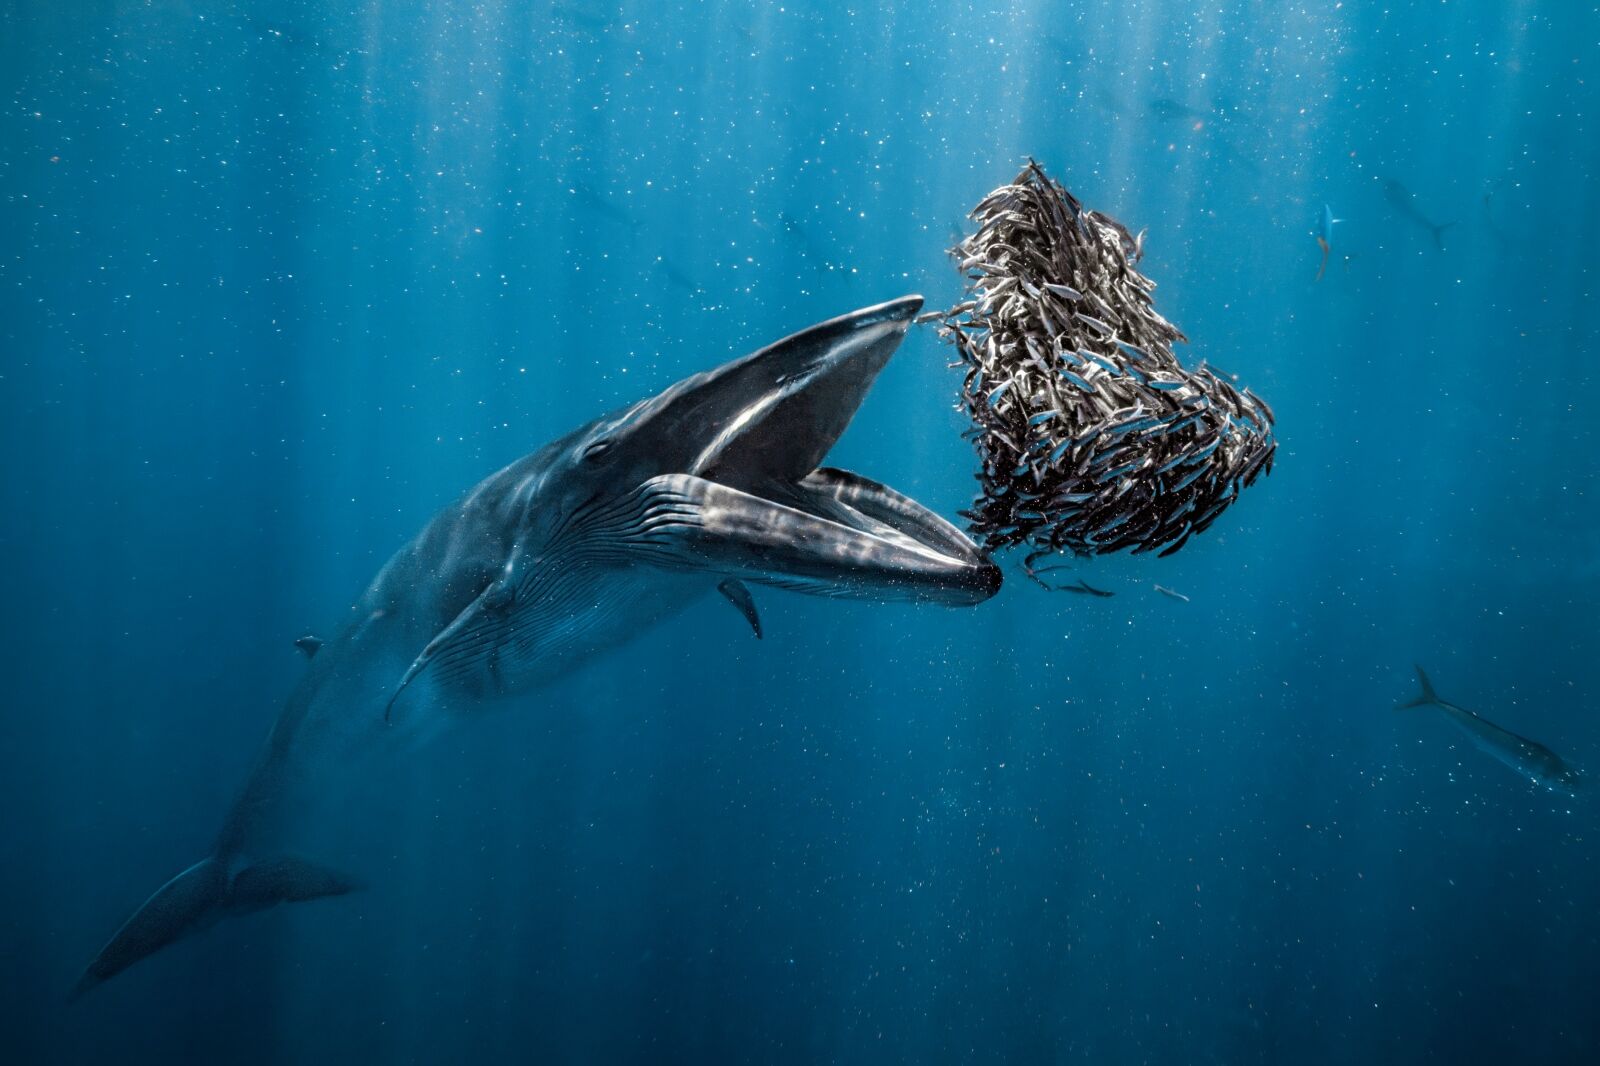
[(710, 485)]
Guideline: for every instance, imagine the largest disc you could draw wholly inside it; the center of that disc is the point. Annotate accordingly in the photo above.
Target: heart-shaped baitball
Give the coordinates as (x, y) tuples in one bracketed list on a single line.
[(1093, 437)]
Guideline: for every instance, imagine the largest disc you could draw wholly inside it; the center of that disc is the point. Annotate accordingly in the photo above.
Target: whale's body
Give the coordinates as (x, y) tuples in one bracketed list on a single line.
[(566, 553)]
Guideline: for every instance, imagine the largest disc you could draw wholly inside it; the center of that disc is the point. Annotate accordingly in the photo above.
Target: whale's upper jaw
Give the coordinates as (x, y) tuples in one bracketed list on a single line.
[(751, 438), (800, 394), (769, 416)]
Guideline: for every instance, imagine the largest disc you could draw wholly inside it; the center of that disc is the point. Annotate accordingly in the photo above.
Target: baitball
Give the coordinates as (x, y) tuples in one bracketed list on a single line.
[(1092, 437)]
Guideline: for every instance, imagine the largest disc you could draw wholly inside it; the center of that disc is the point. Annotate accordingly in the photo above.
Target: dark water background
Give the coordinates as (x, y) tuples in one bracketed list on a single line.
[(277, 281)]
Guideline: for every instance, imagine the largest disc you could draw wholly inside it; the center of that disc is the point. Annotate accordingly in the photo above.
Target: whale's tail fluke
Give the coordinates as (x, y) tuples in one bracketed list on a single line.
[(201, 896)]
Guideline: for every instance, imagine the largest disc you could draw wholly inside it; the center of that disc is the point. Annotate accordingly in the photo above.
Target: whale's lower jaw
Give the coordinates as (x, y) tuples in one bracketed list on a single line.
[(832, 533)]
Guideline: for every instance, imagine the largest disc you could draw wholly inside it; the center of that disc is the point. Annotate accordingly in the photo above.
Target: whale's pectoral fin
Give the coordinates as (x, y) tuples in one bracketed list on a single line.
[(285, 880), (469, 645), (738, 594), (830, 534)]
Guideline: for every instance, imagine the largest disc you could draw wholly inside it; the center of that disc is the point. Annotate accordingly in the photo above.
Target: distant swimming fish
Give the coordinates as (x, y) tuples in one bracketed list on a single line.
[(281, 32), (1405, 202), (1325, 237), (1084, 588), (1527, 757), (1170, 110), (676, 276), (601, 204), (816, 251), (1169, 592), (581, 20), (1501, 238)]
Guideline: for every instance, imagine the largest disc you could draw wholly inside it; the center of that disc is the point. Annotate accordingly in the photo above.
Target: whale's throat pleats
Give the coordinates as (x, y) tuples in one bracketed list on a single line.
[(617, 564), (567, 594)]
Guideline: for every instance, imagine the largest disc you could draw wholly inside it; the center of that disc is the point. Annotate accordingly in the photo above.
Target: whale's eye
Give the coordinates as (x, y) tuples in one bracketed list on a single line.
[(596, 450)]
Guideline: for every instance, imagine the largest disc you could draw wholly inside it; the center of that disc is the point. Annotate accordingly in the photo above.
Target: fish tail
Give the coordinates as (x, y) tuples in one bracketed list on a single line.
[(1438, 234), (1427, 698)]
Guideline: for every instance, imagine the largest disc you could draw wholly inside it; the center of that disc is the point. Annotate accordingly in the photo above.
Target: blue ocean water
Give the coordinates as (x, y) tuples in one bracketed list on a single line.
[(280, 280)]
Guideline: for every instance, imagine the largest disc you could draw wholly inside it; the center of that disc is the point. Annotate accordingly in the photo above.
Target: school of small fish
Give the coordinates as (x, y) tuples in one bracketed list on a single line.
[(1093, 438)]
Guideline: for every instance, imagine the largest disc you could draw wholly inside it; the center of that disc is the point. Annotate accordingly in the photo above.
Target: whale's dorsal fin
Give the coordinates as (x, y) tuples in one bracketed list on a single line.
[(309, 644), (738, 594)]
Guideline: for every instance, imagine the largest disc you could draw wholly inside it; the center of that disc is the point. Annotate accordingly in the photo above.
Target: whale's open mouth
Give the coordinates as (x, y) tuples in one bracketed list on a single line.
[(755, 501), (731, 485)]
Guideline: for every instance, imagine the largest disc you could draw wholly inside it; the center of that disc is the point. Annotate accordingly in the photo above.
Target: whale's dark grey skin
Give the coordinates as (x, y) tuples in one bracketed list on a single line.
[(574, 549)]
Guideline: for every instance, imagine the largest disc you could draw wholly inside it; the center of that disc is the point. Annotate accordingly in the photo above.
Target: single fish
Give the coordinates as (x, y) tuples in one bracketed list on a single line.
[(1083, 588), (1527, 757), (1170, 463), (1404, 201), (1502, 239), (1078, 381), (1325, 237), (1112, 475), (1107, 365), (1094, 323), (1190, 478), (600, 204), (675, 275), (1204, 451), (583, 21), (1169, 592), (822, 253), (1170, 110), (1183, 539), (1132, 350)]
